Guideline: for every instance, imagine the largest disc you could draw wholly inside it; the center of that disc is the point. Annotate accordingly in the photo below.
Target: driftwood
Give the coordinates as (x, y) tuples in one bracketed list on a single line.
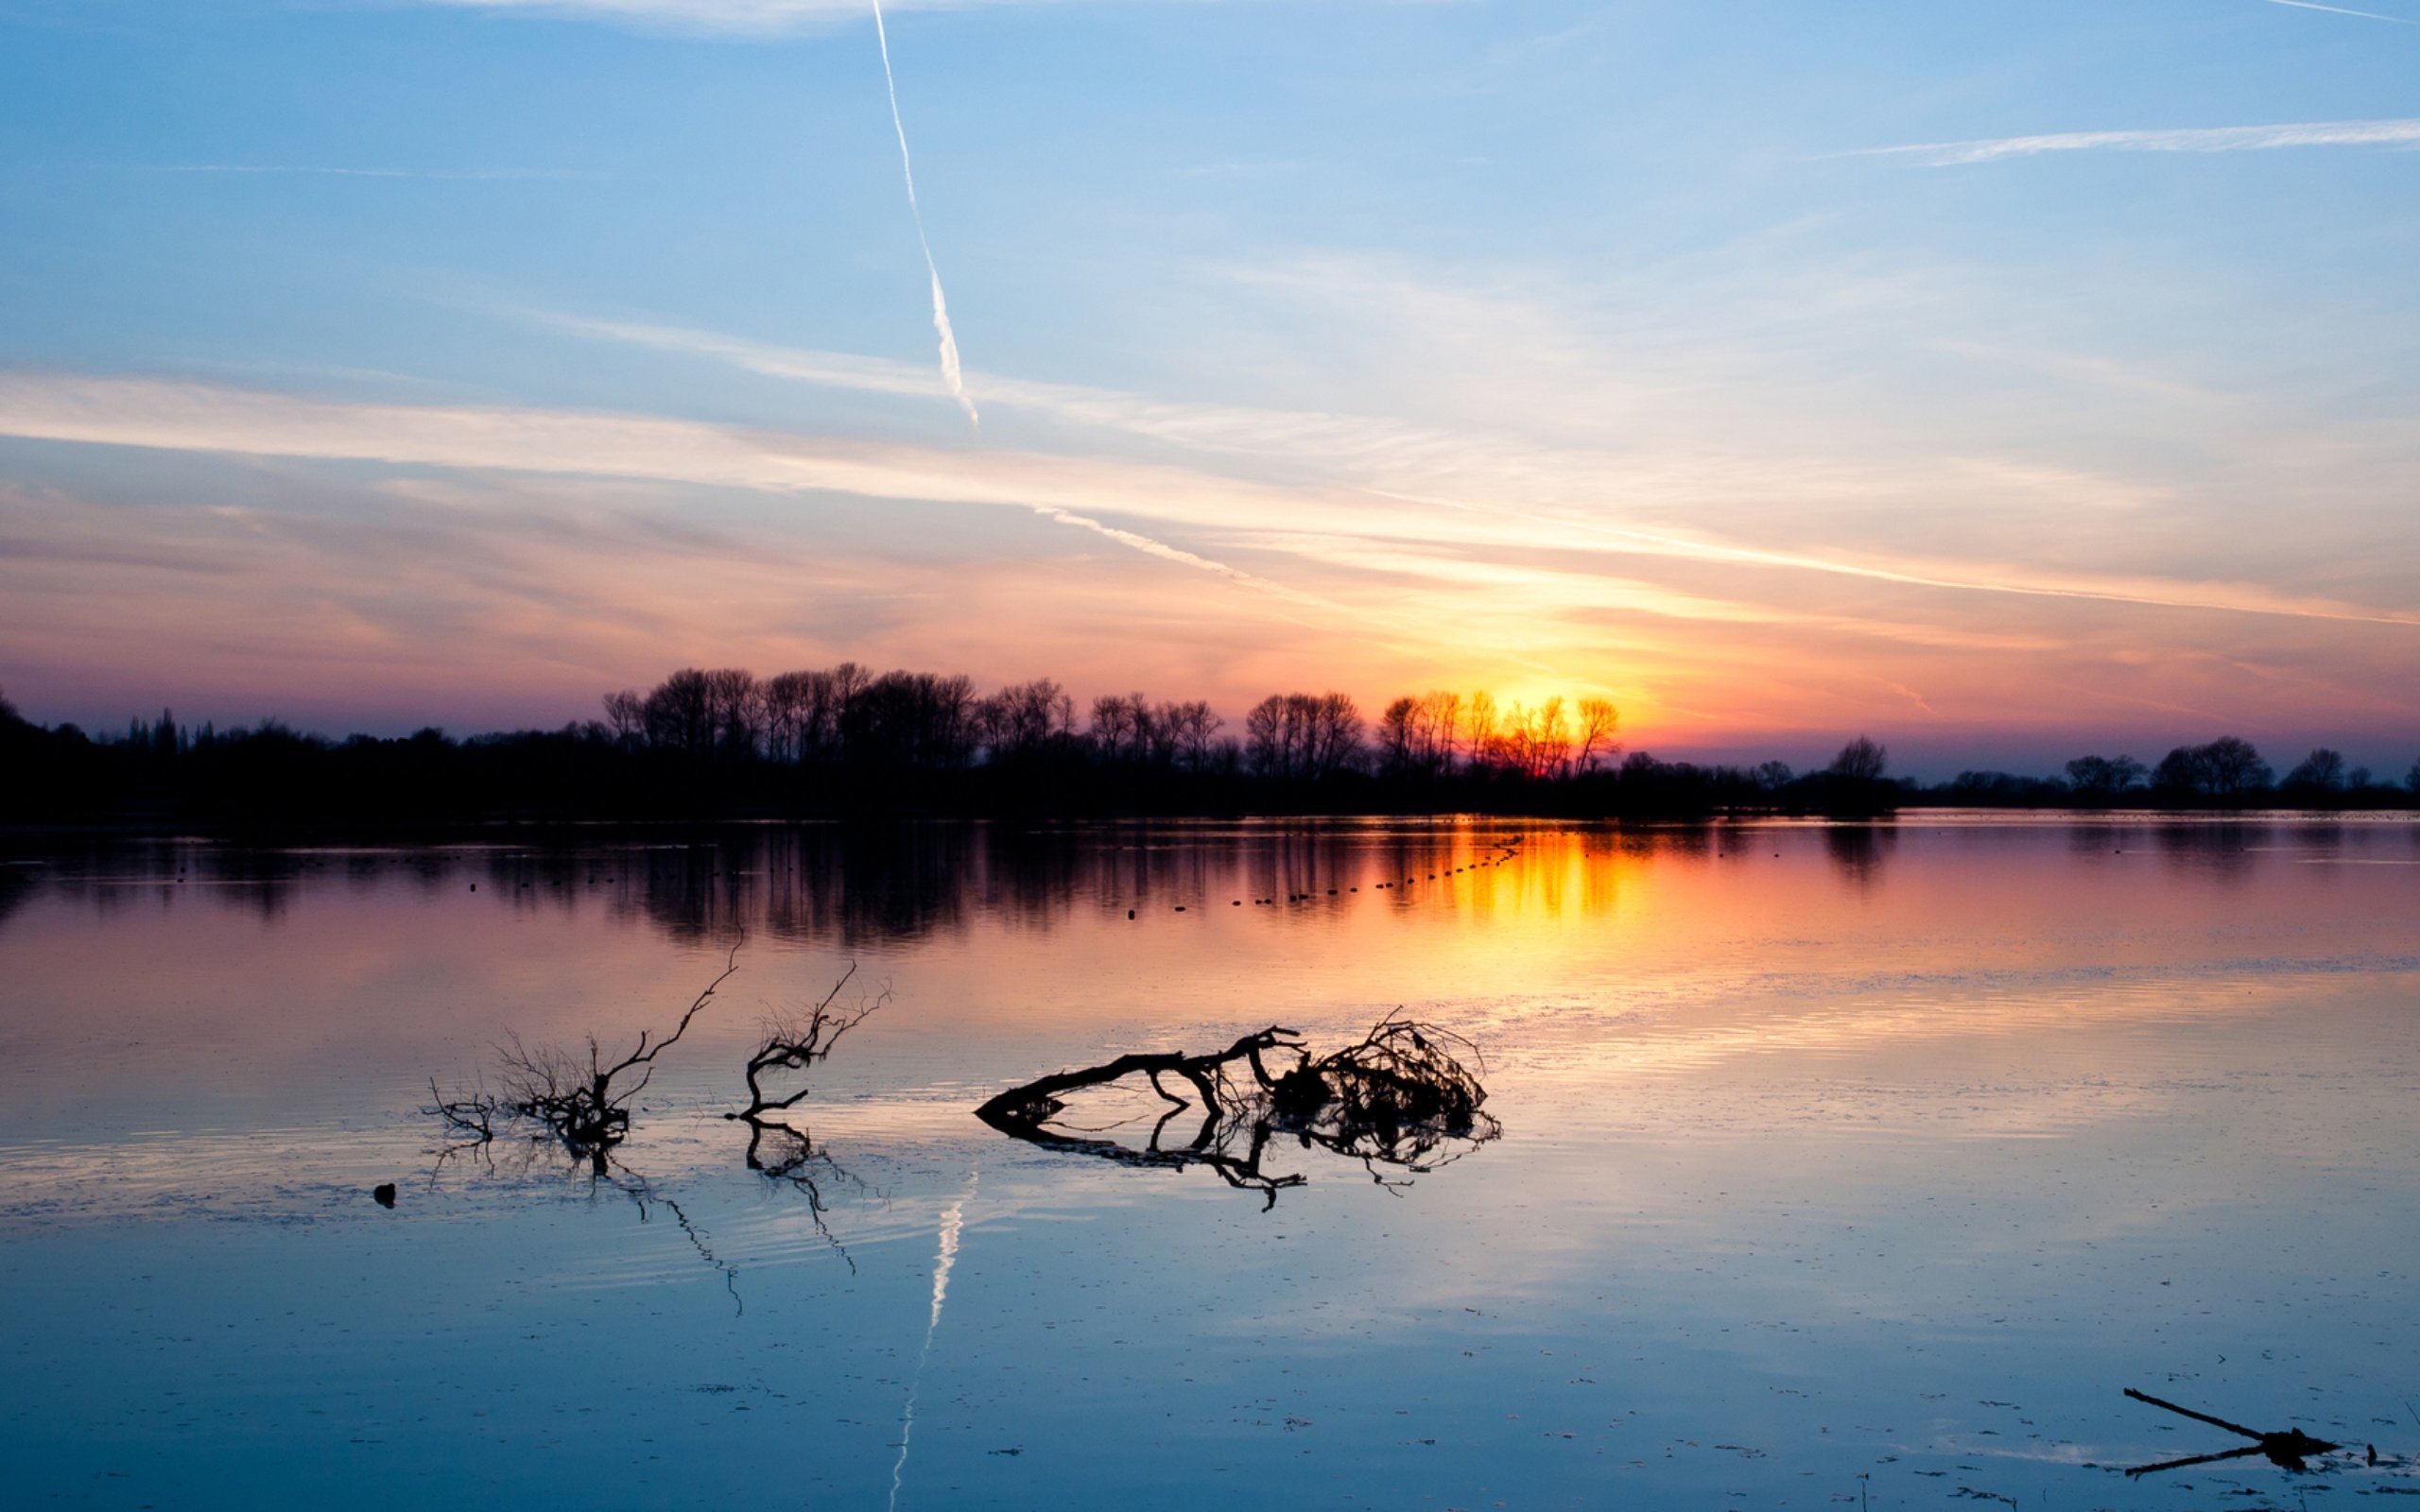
[(2287, 1450), (1397, 1098)]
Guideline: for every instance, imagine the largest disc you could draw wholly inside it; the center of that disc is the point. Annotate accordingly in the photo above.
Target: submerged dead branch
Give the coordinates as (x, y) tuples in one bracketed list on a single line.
[(1398, 1098), (2286, 1450), (796, 1039), (584, 1102)]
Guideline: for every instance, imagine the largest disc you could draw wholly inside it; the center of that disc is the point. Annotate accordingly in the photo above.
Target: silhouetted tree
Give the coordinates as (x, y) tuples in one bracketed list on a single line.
[(2227, 768), (1478, 728), (735, 711), (1020, 723), (1862, 759), (1397, 738), (2006, 789), (1303, 736), (679, 713), (626, 715), (2103, 776), (1597, 721), (2321, 771)]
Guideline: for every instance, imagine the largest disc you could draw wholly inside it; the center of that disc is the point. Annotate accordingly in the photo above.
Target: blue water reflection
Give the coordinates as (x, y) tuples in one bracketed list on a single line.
[(1838, 1167)]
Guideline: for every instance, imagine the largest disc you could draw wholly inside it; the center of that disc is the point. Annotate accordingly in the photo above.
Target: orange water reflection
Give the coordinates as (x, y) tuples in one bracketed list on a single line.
[(220, 978)]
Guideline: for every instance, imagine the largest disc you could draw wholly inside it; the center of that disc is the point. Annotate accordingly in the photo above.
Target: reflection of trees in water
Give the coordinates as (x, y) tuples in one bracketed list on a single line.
[(851, 883), (110, 876), (16, 889), (1858, 853), (847, 882), (2221, 850)]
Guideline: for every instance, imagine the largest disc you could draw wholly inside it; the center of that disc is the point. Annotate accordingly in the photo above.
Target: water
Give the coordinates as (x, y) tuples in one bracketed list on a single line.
[(1838, 1167)]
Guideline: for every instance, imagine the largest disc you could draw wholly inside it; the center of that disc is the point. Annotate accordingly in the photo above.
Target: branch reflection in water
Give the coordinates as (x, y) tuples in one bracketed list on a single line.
[(585, 1113)]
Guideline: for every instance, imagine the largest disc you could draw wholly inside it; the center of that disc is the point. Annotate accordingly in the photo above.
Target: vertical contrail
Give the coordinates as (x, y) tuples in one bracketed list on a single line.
[(953, 1220), (950, 374)]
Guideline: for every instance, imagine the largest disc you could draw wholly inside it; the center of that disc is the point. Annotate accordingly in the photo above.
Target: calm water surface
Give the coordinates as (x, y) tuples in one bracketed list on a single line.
[(1854, 1167)]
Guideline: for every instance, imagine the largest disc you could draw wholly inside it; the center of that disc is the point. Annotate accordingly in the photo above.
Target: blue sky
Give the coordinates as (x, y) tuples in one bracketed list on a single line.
[(2006, 379)]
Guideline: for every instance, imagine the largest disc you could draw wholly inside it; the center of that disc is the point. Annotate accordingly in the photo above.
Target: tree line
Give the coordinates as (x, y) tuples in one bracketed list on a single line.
[(922, 721), (708, 742)]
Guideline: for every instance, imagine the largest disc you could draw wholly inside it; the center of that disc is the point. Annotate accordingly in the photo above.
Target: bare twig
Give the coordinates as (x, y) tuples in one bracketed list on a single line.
[(800, 1038)]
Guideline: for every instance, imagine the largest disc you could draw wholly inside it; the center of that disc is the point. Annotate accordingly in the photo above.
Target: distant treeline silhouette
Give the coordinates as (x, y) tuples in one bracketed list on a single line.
[(843, 741)]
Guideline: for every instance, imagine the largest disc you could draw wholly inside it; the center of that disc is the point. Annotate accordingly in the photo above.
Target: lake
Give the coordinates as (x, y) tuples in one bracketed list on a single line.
[(1831, 1166)]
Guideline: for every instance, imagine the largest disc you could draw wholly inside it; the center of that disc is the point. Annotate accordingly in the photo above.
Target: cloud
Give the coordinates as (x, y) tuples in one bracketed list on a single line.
[(741, 17), (2404, 131), (449, 175), (186, 416), (2340, 11), (1483, 491)]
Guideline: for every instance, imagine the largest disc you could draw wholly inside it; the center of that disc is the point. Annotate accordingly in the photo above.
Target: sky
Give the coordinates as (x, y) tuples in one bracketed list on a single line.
[(2006, 381)]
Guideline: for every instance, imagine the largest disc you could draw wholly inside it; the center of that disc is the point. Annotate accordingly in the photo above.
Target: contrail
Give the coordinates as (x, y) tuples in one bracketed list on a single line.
[(953, 1220), (950, 374), (2404, 131)]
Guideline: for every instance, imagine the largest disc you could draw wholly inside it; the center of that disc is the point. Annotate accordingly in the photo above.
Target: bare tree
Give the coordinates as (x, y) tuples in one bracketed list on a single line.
[(2104, 776), (1597, 721), (2322, 770), (679, 713), (1196, 735), (1441, 720), (1480, 741), (1398, 736), (1118, 725), (788, 700), (1862, 759), (1020, 721), (626, 715), (736, 710)]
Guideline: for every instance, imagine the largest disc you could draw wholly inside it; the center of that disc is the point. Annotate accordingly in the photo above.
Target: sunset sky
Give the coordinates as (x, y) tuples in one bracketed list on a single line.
[(2003, 381)]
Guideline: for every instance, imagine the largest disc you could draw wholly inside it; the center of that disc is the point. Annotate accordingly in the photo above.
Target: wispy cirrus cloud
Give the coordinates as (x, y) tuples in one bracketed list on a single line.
[(1072, 491), (454, 175), (1475, 490), (757, 17), (558, 548), (2400, 132), (2341, 10)]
